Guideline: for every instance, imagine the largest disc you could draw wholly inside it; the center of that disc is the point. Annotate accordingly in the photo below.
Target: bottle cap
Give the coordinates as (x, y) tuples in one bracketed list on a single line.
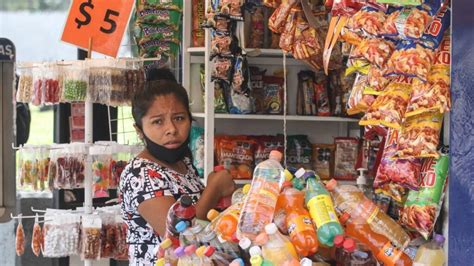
[(268, 263), (212, 214), (200, 252), (166, 243), (286, 184), (189, 250), (271, 228), (186, 201), (439, 239), (160, 262), (218, 168), (349, 244), (237, 262), (361, 180), (276, 155), (179, 252), (306, 262), (331, 185), (288, 175), (255, 251), (256, 260), (234, 238), (309, 174), (245, 243), (339, 240), (246, 189), (344, 217), (167, 264), (209, 251), (181, 226), (300, 173), (261, 239)]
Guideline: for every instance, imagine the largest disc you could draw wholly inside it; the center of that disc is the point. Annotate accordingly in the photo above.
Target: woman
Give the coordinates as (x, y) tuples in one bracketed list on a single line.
[(163, 172)]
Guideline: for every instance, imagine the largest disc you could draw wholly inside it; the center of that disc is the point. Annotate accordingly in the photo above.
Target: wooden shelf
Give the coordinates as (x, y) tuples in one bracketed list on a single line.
[(280, 117)]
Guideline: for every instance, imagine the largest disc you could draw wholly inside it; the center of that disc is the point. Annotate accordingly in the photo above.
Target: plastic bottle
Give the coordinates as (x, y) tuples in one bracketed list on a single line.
[(259, 205), (181, 210), (166, 253), (204, 254), (244, 245), (256, 260), (338, 247), (298, 222), (379, 244), (224, 202), (320, 206), (226, 251), (362, 184), (349, 247), (240, 194), (278, 249), (431, 253), (362, 256), (350, 199), (237, 262)]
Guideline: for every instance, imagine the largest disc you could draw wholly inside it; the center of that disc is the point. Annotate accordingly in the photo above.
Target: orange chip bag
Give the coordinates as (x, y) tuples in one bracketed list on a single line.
[(377, 80), (236, 155), (376, 51), (389, 108), (410, 60), (368, 20), (358, 101), (419, 136)]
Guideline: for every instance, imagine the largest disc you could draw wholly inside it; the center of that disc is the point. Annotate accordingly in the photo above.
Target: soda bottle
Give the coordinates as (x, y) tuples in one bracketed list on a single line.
[(225, 223), (350, 199), (299, 180), (226, 250), (298, 222), (362, 256), (240, 194), (320, 206), (259, 205), (166, 253), (379, 244), (362, 184), (278, 249), (256, 260), (338, 248), (348, 248), (431, 253), (181, 210), (224, 202)]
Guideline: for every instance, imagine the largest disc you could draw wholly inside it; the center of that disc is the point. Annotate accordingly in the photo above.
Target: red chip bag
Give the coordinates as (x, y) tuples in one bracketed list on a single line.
[(368, 20), (376, 51), (405, 172), (265, 144)]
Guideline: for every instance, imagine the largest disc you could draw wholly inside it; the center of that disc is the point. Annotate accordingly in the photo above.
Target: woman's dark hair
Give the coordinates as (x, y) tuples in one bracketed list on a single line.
[(163, 83)]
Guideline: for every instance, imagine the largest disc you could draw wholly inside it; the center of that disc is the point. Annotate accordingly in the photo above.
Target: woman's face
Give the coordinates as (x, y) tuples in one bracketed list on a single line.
[(167, 122)]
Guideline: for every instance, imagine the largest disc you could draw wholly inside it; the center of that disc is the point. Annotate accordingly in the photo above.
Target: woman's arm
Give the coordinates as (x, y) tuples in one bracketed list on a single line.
[(155, 210)]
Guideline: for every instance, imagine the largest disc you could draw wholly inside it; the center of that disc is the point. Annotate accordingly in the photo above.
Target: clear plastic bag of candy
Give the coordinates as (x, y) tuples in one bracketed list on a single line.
[(28, 168), (20, 239), (101, 172), (134, 81), (52, 79), (100, 83), (37, 238), (61, 234), (75, 82), (121, 246), (38, 84), (91, 237), (108, 244), (25, 83), (120, 156)]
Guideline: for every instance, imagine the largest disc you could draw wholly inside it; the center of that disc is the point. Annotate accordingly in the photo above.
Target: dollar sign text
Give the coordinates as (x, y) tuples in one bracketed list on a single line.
[(87, 16)]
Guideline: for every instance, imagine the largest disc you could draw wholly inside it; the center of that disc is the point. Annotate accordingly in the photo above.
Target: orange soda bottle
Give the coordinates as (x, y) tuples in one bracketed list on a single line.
[(379, 245), (259, 205), (298, 222)]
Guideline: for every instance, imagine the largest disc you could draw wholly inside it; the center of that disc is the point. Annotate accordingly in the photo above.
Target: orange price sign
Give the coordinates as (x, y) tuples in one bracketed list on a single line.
[(101, 21)]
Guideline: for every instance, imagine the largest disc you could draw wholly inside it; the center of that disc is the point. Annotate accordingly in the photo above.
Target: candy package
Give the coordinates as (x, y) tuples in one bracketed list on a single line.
[(323, 160), (158, 17), (389, 108), (230, 9), (305, 100), (36, 238), (52, 79), (273, 95), (359, 101), (20, 239), (265, 144), (410, 60), (288, 30), (91, 237), (423, 207), (367, 21), (196, 145), (236, 155), (321, 95), (120, 156), (160, 4), (75, 83), (100, 84), (405, 172), (38, 88), (145, 33), (258, 86), (101, 173), (345, 158), (376, 51), (419, 136), (434, 95), (25, 84), (257, 28), (108, 231), (121, 246), (198, 20), (279, 17), (299, 152), (61, 235), (153, 48)]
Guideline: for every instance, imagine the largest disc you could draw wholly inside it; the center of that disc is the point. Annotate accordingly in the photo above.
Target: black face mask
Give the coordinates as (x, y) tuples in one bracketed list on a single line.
[(164, 154)]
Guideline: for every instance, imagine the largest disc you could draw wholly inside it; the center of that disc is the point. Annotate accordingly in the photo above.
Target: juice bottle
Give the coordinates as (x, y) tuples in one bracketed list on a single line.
[(181, 210), (320, 206), (225, 223), (259, 205), (379, 244), (298, 222), (431, 253), (350, 199), (166, 253), (278, 249), (224, 202)]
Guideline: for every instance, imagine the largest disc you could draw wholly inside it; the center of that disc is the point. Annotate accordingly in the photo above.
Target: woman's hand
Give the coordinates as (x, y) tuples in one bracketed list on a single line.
[(221, 182)]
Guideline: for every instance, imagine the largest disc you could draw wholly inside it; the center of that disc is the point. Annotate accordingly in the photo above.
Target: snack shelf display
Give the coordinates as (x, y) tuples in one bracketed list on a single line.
[(280, 117)]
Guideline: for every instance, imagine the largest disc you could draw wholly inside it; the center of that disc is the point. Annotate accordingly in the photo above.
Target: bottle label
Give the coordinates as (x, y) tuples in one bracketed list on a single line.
[(321, 210), (299, 224), (389, 254)]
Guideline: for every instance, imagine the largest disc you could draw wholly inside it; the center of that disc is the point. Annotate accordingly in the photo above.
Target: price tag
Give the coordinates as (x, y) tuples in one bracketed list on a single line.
[(104, 21)]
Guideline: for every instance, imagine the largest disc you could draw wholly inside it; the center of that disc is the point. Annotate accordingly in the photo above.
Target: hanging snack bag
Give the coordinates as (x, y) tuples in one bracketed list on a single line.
[(258, 86), (100, 84), (389, 108), (419, 136), (36, 238), (433, 35), (198, 17), (42, 161), (410, 60), (402, 2), (61, 235), (160, 17), (25, 84), (376, 51), (90, 237), (236, 155), (321, 95), (273, 95), (305, 100), (367, 21), (52, 84), (121, 246), (265, 144), (358, 100), (27, 172), (196, 145), (405, 172), (101, 174), (222, 69), (120, 156), (323, 160), (176, 5), (377, 80), (108, 244), (38, 85), (406, 23), (75, 83), (238, 103), (422, 207), (20, 239), (257, 28), (347, 150), (219, 97), (434, 95), (299, 152), (221, 43)]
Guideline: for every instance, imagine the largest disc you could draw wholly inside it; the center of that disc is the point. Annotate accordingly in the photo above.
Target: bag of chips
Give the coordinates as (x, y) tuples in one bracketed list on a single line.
[(323, 160), (236, 155), (257, 28), (196, 145), (305, 100), (273, 95), (433, 35), (299, 152), (376, 51), (377, 80), (198, 17), (347, 151), (422, 207), (401, 2), (265, 144), (419, 136), (367, 21), (389, 108), (410, 60), (359, 101), (321, 95), (406, 23)]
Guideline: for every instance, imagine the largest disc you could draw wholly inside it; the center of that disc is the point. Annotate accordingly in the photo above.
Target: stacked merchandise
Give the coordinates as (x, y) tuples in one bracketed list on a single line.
[(158, 30), (66, 233), (108, 81), (292, 218), (62, 166)]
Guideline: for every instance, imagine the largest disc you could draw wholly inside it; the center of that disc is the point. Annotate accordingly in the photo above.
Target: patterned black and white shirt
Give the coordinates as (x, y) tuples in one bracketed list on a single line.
[(141, 180)]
